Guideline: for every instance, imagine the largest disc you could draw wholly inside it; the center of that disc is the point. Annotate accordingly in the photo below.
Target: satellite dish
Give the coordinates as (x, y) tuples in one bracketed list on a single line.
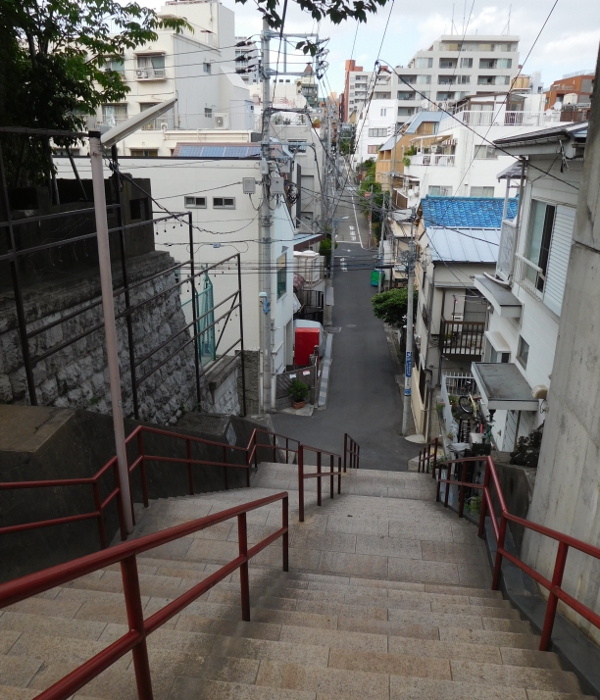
[(411, 193), (557, 106)]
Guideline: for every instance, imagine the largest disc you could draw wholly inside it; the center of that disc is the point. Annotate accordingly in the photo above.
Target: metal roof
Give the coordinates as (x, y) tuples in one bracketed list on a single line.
[(466, 212), (464, 245), (422, 117), (577, 131)]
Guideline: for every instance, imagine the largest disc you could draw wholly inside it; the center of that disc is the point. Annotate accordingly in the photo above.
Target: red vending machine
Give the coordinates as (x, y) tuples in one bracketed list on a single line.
[(305, 341)]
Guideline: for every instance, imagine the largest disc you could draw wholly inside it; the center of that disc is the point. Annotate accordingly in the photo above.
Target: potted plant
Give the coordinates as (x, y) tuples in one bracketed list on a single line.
[(299, 392)]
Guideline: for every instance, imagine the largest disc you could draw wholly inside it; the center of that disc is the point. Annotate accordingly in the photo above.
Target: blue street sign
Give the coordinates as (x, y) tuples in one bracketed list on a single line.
[(408, 370)]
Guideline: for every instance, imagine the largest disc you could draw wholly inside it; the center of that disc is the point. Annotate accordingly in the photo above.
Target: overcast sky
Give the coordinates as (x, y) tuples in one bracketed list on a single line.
[(568, 43)]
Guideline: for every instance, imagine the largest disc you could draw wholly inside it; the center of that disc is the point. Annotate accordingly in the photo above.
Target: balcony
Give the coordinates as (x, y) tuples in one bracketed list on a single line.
[(500, 117), (463, 338), (150, 74), (433, 159), (506, 251)]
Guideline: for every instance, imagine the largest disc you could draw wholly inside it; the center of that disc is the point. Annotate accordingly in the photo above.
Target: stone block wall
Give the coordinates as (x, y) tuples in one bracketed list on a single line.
[(76, 376)]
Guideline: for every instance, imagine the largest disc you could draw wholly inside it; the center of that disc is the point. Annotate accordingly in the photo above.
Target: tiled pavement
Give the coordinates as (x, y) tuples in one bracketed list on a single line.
[(388, 597)]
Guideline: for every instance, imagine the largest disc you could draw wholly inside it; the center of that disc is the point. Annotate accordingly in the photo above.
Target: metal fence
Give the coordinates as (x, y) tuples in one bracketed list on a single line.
[(454, 385)]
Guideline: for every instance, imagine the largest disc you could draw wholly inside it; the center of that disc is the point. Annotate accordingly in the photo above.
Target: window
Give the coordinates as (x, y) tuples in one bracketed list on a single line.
[(488, 63), (484, 152), (496, 356), (441, 96), (114, 114), (382, 112), (422, 79), (383, 95), (504, 63), (439, 191), (406, 95), (405, 111), (223, 203), (424, 62), (482, 192), (281, 275), (466, 63), (150, 67), (374, 149), (208, 112), (115, 63), (206, 67), (144, 152), (195, 202), (447, 63), (464, 79), (153, 124), (377, 132), (523, 352), (446, 79), (541, 222)]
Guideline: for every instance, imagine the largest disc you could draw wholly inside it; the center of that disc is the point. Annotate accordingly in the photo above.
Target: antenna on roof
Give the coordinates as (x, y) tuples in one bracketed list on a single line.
[(453, 26)]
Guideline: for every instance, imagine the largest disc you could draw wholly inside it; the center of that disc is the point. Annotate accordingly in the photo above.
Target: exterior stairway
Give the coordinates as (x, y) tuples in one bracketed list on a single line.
[(388, 597)]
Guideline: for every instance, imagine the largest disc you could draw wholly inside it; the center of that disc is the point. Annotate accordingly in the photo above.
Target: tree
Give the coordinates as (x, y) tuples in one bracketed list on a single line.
[(53, 58), (392, 306)]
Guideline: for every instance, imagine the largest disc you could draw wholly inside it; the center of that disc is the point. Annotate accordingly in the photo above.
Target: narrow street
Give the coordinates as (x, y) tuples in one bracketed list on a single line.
[(364, 399)]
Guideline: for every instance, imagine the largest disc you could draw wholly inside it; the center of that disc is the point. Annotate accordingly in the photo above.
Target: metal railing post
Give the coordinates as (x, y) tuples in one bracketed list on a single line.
[(135, 618), (120, 507), (143, 475), (301, 483), (318, 479), (439, 483), (484, 497), (331, 487), (435, 452), (255, 451), (358, 456), (500, 547), (339, 475), (447, 491), (98, 504), (557, 577), (286, 538), (345, 450), (190, 470), (419, 462), (244, 580)]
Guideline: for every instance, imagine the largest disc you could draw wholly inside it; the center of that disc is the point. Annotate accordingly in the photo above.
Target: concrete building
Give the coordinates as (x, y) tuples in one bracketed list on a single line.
[(197, 67), (458, 158), (573, 88), (356, 83), (567, 481), (445, 73), (208, 181), (526, 295)]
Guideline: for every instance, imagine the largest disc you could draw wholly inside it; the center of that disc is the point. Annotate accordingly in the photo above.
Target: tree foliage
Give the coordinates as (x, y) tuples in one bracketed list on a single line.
[(372, 197), (53, 57), (392, 306)]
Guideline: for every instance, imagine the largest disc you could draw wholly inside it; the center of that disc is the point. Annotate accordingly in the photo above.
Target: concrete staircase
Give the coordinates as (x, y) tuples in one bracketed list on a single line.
[(387, 598)]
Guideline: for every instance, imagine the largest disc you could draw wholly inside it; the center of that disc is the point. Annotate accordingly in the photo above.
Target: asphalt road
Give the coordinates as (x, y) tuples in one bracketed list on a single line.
[(364, 398)]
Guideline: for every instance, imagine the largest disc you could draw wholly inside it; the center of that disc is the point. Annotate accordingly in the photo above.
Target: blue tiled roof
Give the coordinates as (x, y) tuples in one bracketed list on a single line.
[(197, 150), (470, 212)]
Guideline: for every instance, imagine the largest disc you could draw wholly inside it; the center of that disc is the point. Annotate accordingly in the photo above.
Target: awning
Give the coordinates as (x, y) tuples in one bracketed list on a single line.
[(303, 240), (502, 386), (497, 341), (504, 302)]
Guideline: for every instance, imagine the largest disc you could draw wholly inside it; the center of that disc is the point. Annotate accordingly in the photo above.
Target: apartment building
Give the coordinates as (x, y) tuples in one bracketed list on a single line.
[(445, 73), (197, 66), (572, 88)]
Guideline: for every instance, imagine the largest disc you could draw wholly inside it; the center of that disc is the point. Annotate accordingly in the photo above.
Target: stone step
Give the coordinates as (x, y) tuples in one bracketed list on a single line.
[(196, 689)]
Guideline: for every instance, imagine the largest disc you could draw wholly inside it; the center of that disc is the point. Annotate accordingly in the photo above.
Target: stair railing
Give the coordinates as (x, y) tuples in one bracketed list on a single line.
[(139, 628), (351, 453), (428, 458), (248, 457), (330, 457), (554, 586)]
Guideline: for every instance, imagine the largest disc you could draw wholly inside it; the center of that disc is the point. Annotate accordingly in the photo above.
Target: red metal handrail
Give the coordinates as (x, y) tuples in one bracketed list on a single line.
[(351, 453), (318, 475), (139, 628), (250, 452), (554, 586), (425, 456)]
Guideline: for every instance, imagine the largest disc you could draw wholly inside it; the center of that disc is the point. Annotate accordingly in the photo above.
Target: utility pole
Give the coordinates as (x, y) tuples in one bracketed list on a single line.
[(371, 216), (410, 271), (264, 242)]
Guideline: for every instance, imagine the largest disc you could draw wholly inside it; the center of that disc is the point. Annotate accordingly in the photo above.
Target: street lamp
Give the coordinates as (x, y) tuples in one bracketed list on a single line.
[(96, 141), (333, 237)]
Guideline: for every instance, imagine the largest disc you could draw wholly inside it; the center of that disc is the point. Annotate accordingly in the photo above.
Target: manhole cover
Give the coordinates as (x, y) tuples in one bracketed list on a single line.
[(351, 325)]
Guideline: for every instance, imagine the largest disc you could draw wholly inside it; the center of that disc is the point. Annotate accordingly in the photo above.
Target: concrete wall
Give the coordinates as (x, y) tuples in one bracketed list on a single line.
[(568, 480), (39, 443)]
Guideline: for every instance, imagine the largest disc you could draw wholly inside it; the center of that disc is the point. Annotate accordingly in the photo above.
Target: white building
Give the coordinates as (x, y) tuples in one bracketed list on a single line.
[(445, 73), (458, 159), (210, 185), (197, 67), (526, 295)]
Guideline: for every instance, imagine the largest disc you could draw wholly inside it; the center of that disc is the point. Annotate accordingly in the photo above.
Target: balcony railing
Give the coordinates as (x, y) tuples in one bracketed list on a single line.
[(500, 117), (506, 251), (150, 73), (529, 276), (462, 338), (433, 159)]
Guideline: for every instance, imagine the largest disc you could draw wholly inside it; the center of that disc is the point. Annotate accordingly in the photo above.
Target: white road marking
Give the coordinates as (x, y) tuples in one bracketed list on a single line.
[(343, 265)]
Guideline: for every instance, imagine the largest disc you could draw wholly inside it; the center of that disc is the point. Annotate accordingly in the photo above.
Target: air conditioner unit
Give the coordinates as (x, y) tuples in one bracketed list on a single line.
[(221, 121), (141, 73), (164, 124)]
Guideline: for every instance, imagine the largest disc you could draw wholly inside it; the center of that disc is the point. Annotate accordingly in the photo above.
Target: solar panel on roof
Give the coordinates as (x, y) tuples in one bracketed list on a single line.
[(213, 152)]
